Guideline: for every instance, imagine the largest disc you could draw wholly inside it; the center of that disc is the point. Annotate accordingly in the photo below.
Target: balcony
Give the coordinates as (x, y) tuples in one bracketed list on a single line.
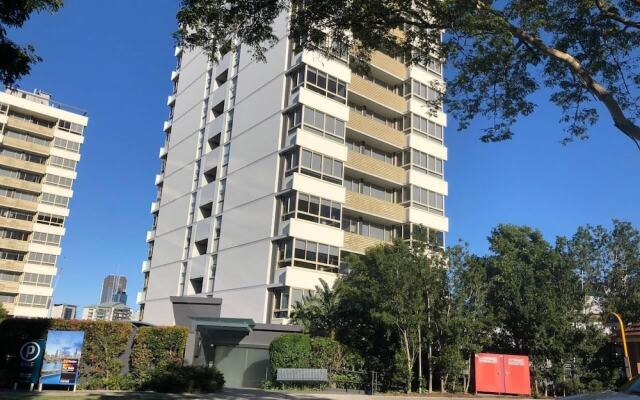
[(24, 145), (34, 187), (16, 224), (151, 235), (29, 126), (377, 94), (166, 127), (376, 130), (177, 51), (174, 75), (140, 297), (12, 244), (170, 100), (9, 307), (18, 203), (358, 244), (373, 206), (380, 169), (9, 287), (163, 152), (159, 179), (12, 265), (155, 206), (146, 266), (22, 164), (389, 65)]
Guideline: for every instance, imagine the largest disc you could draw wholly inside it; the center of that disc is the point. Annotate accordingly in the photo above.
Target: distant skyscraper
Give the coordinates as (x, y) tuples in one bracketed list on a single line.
[(114, 288)]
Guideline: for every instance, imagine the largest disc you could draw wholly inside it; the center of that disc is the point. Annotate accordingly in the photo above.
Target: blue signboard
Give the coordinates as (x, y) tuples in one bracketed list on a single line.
[(30, 358), (62, 358)]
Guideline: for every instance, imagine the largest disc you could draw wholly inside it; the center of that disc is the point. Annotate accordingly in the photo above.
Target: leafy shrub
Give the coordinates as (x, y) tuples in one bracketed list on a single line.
[(303, 351), (104, 343), (157, 349), (185, 379)]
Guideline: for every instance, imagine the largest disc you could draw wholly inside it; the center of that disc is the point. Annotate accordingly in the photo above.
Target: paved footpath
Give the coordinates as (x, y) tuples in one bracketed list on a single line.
[(226, 394)]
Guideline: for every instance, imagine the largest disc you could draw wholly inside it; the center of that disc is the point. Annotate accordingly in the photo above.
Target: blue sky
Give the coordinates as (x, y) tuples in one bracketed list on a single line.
[(115, 58)]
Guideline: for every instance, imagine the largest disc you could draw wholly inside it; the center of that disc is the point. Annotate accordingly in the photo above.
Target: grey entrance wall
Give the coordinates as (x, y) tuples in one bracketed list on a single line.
[(240, 347)]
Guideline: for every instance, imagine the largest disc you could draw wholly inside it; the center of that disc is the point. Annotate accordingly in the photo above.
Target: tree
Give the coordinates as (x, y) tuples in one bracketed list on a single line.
[(16, 59), (3, 313), (317, 312), (536, 300), (502, 52)]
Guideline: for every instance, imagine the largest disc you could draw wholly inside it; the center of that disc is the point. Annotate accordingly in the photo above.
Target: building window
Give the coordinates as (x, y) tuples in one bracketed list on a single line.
[(425, 199), (370, 189), (424, 162), (55, 200), (18, 194), (320, 82), (286, 298), (63, 163), (31, 119), (317, 122), (42, 258), (21, 155), (37, 279), (380, 155), (16, 214), (57, 180), (424, 92), (11, 255), (307, 254), (369, 229), (395, 123), (424, 127), (13, 234), (10, 276), (70, 127), (27, 138), (50, 219), (66, 145), (314, 164), (33, 300), (422, 233), (21, 175), (46, 238), (311, 208)]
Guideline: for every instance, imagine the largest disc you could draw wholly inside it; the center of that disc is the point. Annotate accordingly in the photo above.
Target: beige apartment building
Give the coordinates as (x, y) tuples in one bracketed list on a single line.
[(39, 150)]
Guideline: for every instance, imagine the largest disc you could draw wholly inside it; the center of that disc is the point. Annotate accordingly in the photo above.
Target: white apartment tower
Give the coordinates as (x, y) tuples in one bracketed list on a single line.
[(273, 172), (39, 149)]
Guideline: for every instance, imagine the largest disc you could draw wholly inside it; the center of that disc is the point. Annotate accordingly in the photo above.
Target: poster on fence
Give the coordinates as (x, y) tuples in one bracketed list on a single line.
[(62, 358)]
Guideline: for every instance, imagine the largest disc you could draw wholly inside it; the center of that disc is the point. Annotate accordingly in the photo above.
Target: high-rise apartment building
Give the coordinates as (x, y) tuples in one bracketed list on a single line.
[(39, 151), (114, 288), (109, 311), (272, 173), (64, 311)]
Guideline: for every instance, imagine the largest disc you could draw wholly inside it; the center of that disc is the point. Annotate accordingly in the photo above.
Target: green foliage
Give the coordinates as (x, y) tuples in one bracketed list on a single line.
[(303, 351), (185, 379), (16, 60), (502, 52), (157, 349), (316, 314), (104, 343), (3, 313)]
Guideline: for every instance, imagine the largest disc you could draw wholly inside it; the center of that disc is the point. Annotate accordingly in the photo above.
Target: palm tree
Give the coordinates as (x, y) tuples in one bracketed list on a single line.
[(316, 312)]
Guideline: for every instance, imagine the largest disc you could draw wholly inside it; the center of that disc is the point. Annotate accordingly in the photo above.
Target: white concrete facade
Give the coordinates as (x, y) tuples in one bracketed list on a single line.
[(40, 144), (255, 196)]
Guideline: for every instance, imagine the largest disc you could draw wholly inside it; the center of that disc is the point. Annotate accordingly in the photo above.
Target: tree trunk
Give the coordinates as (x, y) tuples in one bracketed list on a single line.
[(419, 360), (430, 358)]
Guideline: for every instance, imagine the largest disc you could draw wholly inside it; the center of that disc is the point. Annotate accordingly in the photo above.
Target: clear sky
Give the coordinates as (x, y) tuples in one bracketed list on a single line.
[(115, 58)]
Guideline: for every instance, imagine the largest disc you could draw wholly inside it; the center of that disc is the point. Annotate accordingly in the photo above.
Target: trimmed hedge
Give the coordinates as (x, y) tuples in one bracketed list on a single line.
[(157, 349), (104, 343), (155, 362), (303, 351)]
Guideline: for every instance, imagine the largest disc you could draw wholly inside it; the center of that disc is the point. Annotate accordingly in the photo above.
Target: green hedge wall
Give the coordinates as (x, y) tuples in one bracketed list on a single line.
[(157, 348), (156, 351), (104, 343), (303, 351)]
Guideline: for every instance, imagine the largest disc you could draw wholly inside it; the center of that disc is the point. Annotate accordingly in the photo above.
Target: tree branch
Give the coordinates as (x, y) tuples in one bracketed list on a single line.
[(607, 13), (620, 120)]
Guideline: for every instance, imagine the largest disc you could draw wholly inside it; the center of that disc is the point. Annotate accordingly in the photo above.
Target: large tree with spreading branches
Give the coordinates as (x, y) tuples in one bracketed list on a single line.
[(584, 52)]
